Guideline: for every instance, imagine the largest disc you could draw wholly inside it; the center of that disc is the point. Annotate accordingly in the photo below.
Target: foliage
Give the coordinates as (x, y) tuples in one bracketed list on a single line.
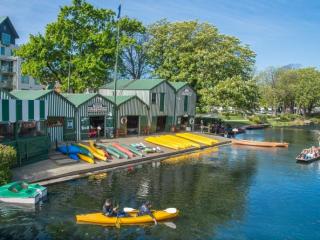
[(258, 119), (233, 92), (8, 158), (197, 53), (288, 89), (83, 36)]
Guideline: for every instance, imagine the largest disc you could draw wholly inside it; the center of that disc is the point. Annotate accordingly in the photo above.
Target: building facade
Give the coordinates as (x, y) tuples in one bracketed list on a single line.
[(10, 65)]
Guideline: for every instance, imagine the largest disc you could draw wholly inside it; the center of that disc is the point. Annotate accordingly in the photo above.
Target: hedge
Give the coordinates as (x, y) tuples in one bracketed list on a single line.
[(8, 158)]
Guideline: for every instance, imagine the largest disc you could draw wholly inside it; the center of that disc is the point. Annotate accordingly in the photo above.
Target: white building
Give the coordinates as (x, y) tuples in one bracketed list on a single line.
[(10, 66)]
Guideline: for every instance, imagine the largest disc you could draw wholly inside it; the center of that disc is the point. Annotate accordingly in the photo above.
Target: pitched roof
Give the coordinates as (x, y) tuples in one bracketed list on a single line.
[(4, 18), (79, 98), (139, 84), (29, 94), (178, 85), (122, 99)]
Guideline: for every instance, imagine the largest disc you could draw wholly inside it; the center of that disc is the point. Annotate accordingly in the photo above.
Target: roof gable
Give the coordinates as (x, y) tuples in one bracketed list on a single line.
[(77, 99), (29, 94), (4, 20), (122, 99), (178, 85), (139, 84)]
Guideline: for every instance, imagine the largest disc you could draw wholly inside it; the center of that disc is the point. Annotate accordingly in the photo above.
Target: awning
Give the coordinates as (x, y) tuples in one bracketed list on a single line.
[(22, 110)]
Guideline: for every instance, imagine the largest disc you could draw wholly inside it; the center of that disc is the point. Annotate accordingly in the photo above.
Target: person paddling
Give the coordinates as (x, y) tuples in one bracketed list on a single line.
[(145, 209), (108, 209)]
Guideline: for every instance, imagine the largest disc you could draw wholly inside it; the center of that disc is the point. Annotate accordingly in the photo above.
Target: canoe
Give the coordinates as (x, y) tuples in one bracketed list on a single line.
[(183, 140), (94, 153), (122, 154), (22, 192), (83, 151), (132, 149), (259, 144), (97, 150), (123, 149), (86, 158), (197, 138), (99, 218), (109, 151), (161, 142)]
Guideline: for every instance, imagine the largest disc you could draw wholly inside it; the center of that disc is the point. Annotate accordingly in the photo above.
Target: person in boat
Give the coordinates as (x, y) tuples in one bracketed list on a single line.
[(109, 210), (145, 209)]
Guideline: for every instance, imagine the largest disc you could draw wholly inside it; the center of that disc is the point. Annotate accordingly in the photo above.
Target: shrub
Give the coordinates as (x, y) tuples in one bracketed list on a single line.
[(258, 119), (287, 117), (8, 158)]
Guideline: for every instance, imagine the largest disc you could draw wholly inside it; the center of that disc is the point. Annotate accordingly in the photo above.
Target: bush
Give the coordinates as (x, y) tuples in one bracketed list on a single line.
[(8, 158), (287, 117), (258, 119)]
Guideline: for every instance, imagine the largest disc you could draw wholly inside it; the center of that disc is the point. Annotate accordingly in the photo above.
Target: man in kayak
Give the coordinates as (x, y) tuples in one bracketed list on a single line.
[(108, 209), (145, 210)]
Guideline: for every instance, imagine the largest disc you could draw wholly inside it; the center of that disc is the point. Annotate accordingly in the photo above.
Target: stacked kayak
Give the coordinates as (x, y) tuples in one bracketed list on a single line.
[(123, 149), (22, 192), (94, 151), (165, 143), (75, 152), (197, 138), (184, 141), (84, 154), (133, 218)]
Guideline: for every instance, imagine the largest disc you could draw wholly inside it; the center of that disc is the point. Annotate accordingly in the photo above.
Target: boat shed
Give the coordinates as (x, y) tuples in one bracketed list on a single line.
[(132, 114), (185, 105), (4, 94), (93, 115), (60, 121), (158, 94), (23, 125)]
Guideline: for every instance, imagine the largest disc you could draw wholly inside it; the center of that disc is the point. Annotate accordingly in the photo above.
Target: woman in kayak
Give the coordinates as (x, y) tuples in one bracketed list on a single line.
[(108, 209), (145, 209)]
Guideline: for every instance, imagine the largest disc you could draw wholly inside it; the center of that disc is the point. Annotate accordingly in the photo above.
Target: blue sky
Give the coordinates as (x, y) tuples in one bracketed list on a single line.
[(281, 32)]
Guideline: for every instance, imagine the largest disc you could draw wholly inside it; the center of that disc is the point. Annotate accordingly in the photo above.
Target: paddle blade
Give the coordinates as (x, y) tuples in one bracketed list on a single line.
[(170, 225), (128, 209), (171, 210)]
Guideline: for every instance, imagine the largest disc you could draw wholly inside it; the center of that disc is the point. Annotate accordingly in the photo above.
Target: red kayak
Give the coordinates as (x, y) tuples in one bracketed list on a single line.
[(123, 149)]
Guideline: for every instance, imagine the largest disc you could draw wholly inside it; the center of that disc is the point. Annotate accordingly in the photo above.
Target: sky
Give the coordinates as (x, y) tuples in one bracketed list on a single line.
[(281, 32)]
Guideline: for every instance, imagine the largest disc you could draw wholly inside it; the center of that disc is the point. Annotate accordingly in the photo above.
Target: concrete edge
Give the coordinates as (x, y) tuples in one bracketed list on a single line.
[(87, 172)]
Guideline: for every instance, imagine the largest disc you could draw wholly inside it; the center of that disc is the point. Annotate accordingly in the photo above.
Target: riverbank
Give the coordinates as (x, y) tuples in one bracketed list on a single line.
[(49, 171)]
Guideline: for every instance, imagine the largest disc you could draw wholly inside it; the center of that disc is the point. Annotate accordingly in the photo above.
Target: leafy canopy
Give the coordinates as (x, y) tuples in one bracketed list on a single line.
[(83, 35)]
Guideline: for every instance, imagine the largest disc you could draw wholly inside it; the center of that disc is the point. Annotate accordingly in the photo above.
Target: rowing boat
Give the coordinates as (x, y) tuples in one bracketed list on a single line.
[(259, 144)]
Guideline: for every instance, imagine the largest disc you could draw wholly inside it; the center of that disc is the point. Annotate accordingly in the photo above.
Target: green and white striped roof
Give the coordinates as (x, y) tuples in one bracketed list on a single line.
[(22, 110)]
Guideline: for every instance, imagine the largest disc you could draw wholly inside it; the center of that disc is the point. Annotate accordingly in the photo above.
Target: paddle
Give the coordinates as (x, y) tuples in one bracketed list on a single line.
[(168, 210)]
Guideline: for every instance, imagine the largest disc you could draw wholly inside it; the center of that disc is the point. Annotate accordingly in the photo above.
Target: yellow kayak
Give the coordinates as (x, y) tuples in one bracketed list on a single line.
[(162, 142), (97, 150), (99, 218), (183, 140), (197, 138), (168, 139), (94, 153), (85, 158)]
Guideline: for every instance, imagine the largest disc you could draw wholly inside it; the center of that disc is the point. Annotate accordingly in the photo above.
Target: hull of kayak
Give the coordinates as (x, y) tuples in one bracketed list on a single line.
[(188, 143), (94, 153), (97, 150), (259, 144), (122, 154), (133, 150), (122, 149), (99, 218), (109, 151), (197, 138), (86, 158), (162, 142)]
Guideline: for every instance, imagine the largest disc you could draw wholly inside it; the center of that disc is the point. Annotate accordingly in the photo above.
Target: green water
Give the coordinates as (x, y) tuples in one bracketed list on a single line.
[(235, 193)]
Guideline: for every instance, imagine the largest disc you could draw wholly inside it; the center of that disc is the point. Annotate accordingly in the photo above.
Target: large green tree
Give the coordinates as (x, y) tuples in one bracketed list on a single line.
[(197, 53), (82, 42)]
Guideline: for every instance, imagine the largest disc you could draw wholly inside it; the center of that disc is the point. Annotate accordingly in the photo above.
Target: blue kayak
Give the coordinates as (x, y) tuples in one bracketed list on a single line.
[(74, 156), (70, 149)]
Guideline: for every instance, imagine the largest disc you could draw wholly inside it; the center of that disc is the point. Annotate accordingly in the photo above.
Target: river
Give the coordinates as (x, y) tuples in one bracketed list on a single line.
[(226, 193)]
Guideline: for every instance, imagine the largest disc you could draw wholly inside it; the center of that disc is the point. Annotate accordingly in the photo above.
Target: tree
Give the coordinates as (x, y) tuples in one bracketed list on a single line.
[(233, 92), (307, 89), (134, 60), (81, 42)]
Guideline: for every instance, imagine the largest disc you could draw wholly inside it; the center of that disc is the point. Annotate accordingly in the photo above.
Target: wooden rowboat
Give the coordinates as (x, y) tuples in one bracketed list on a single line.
[(259, 144)]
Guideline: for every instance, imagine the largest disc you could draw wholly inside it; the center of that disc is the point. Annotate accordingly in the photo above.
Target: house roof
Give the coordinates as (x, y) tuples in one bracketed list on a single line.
[(79, 98), (3, 19), (178, 85), (139, 84), (29, 94), (122, 99)]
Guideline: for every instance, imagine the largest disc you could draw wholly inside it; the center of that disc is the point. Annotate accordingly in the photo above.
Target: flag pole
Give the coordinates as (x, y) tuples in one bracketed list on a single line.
[(116, 67)]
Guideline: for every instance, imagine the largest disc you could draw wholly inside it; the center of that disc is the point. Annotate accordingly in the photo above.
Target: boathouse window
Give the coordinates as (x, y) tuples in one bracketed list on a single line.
[(161, 102), (154, 98), (31, 129), (6, 132), (185, 104)]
